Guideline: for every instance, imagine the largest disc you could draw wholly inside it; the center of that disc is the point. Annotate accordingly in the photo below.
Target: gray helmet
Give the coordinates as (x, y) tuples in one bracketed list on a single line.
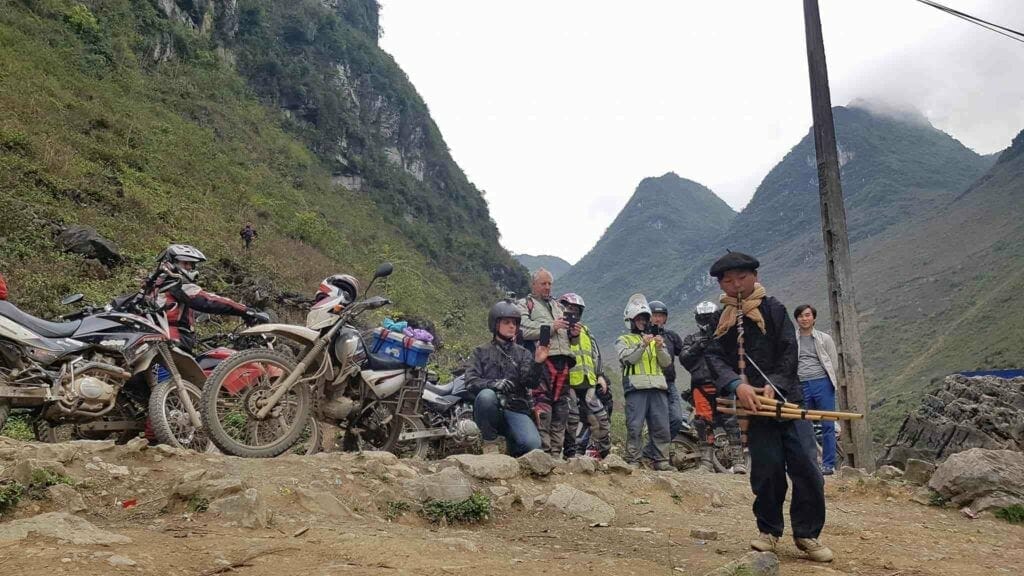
[(658, 306), (173, 256), (502, 309)]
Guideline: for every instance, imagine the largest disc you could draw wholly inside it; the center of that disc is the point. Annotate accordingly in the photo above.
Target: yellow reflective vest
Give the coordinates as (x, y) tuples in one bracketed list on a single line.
[(584, 373), (642, 366)]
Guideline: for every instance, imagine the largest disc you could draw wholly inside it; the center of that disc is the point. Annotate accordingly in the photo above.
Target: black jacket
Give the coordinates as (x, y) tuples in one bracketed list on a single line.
[(774, 352), (674, 345), (498, 360), (692, 357)]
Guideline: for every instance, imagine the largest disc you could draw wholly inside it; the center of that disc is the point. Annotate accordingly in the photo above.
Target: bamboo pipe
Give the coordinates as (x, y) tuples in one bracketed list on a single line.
[(782, 415), (787, 410)]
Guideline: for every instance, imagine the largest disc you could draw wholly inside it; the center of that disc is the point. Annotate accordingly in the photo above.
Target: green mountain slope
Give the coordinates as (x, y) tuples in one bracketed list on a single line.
[(158, 122), (552, 264), (668, 221)]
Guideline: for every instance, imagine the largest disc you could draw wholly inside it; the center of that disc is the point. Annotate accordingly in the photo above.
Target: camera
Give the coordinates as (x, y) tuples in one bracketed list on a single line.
[(654, 330), (571, 319)]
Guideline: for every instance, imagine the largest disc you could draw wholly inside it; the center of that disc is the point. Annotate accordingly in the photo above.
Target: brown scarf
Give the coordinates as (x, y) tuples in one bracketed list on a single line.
[(750, 310)]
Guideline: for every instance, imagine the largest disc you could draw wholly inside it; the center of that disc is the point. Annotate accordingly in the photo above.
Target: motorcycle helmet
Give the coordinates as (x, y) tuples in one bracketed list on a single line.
[(574, 299), (704, 313), (657, 306), (502, 309), (337, 285), (636, 306), (180, 261)]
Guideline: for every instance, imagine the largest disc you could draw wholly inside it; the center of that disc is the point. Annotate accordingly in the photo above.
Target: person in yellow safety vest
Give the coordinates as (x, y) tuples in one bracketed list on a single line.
[(585, 377), (644, 358)]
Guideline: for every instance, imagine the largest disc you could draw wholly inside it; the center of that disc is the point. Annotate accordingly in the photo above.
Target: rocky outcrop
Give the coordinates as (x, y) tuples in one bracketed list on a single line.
[(89, 243), (981, 479), (980, 412)]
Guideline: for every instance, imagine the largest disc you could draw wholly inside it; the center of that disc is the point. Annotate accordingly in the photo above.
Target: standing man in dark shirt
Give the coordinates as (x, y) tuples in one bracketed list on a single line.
[(777, 447)]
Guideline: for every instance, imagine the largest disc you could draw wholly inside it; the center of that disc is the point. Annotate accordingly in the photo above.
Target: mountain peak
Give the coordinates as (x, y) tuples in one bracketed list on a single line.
[(900, 112)]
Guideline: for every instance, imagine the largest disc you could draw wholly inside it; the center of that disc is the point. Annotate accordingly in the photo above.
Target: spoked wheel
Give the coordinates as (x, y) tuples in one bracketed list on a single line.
[(415, 447), (310, 441), (235, 393), (721, 457), (685, 453), (171, 422), (53, 432)]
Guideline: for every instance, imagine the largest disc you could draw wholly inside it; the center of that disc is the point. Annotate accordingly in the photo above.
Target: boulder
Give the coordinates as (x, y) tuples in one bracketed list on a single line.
[(66, 498), (87, 241), (616, 465), (918, 471), (59, 526), (208, 489), (537, 462), (751, 564), (24, 469), (847, 473), (887, 472), (319, 502), (487, 466), (966, 412), (582, 465), (981, 478), (579, 504), (703, 534), (448, 484), (246, 509)]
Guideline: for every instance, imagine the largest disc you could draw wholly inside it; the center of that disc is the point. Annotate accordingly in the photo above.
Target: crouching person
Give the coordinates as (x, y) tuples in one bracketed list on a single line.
[(643, 357), (502, 373)]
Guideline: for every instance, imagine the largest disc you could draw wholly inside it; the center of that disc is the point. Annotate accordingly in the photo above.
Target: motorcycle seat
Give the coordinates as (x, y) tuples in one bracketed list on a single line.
[(381, 362), (38, 325), (442, 390)]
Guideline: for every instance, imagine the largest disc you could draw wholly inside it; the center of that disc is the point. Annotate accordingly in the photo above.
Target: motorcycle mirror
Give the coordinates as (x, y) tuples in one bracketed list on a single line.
[(72, 299), (384, 270)]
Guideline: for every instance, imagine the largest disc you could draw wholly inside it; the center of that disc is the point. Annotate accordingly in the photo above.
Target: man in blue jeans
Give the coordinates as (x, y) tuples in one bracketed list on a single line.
[(502, 373), (816, 369)]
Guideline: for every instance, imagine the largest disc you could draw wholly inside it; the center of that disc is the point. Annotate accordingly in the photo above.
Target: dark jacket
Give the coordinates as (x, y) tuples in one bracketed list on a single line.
[(692, 357), (674, 345), (498, 360), (774, 352)]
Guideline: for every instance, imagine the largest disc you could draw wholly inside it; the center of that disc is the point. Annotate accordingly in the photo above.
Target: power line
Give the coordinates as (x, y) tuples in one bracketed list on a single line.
[(1003, 30)]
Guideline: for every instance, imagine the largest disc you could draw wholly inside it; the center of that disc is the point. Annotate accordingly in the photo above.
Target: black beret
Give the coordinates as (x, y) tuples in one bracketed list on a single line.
[(733, 261)]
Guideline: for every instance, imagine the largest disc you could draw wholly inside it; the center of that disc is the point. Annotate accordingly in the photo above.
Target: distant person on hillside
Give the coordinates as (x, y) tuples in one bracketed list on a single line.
[(644, 357), (586, 379), (502, 374), (778, 447), (248, 234), (3, 288), (551, 398), (704, 393), (818, 360)]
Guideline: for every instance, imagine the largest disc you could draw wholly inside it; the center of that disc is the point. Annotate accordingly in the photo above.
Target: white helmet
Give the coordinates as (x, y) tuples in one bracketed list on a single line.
[(704, 312), (171, 262), (636, 306)]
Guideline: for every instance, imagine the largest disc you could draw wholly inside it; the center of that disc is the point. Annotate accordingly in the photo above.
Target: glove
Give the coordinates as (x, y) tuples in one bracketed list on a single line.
[(253, 317), (503, 386)]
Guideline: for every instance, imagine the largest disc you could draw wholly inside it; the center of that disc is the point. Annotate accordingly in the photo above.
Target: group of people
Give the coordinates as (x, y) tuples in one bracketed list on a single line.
[(542, 365)]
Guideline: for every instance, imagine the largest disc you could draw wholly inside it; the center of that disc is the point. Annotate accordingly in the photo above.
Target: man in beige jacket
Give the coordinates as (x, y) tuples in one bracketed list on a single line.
[(551, 398), (816, 368)]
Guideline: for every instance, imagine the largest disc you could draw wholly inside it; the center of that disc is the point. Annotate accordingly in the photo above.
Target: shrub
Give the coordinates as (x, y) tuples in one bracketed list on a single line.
[(473, 509), (10, 495), (1012, 514)]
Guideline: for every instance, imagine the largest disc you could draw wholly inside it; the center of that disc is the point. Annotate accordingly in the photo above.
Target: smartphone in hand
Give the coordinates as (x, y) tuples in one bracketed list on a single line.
[(545, 336)]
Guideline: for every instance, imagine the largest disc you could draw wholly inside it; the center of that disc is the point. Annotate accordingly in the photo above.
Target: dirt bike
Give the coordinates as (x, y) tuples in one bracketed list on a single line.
[(257, 403), (95, 370), (447, 423)]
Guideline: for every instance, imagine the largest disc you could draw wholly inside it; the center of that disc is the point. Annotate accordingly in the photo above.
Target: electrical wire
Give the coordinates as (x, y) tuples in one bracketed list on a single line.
[(1003, 30)]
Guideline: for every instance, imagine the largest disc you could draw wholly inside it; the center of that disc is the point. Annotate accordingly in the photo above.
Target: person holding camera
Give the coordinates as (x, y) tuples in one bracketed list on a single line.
[(502, 374), (704, 393), (543, 325), (674, 344), (644, 358), (586, 378)]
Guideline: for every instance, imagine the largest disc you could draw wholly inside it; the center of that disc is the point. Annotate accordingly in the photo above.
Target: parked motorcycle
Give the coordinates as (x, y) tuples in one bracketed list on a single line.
[(447, 423), (258, 402), (96, 370)]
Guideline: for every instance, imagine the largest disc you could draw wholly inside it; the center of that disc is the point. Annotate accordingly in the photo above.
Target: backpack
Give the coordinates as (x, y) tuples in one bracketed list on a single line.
[(530, 345)]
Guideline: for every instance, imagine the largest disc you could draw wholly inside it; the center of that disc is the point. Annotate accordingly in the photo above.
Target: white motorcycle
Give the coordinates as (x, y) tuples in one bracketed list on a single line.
[(257, 403)]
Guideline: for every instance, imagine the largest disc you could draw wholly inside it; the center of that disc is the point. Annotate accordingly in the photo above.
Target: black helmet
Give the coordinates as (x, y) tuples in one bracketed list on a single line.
[(502, 309), (657, 306), (704, 313), (171, 259)]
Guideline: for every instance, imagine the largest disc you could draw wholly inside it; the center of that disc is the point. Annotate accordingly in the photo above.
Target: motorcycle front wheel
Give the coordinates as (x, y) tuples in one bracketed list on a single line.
[(236, 391), (171, 422)]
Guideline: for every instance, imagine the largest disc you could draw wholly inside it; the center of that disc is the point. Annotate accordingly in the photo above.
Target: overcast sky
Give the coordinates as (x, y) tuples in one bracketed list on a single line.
[(558, 108)]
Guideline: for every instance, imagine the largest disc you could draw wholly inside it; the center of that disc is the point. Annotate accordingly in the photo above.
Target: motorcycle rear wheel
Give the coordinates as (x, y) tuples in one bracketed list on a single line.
[(231, 398)]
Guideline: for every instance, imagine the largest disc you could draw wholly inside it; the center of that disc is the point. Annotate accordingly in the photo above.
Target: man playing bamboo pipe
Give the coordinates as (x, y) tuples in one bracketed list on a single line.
[(759, 325)]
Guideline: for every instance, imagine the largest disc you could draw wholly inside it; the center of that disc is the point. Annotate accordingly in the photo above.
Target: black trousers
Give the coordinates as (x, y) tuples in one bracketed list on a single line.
[(778, 448)]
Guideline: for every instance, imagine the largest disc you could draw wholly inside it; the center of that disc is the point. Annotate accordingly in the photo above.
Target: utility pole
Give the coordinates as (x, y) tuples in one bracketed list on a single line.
[(851, 393)]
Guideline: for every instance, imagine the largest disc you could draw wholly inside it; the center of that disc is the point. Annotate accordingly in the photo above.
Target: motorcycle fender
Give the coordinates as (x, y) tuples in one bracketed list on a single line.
[(298, 333), (187, 365), (383, 383)]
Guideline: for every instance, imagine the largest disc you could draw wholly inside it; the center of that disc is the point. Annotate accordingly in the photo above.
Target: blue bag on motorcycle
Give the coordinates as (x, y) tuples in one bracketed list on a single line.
[(412, 352)]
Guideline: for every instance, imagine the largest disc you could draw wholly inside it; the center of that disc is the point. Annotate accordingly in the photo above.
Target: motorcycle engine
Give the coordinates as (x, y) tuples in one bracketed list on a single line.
[(338, 406), (94, 393), (466, 429)]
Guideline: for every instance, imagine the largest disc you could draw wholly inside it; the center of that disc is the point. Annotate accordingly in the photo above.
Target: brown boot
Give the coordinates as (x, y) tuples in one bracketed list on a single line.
[(739, 459), (764, 542), (814, 549), (491, 446)]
